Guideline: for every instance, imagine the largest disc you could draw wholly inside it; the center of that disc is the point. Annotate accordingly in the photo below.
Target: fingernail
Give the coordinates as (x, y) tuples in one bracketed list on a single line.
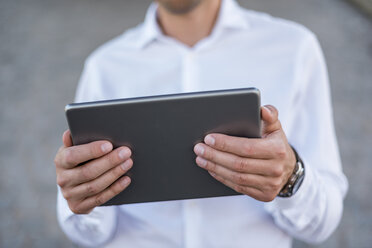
[(106, 147), (267, 109), (210, 140), (125, 181), (123, 153), (199, 149), (126, 165), (201, 162)]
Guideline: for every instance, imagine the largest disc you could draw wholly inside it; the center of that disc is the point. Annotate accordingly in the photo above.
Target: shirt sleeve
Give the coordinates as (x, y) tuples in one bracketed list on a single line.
[(313, 213), (99, 226)]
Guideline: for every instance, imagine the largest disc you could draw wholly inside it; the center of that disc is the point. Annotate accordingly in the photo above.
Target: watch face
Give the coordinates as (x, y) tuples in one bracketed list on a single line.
[(294, 181), (300, 178)]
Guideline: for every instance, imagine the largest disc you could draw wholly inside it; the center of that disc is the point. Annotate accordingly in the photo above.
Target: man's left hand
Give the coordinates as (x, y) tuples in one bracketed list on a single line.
[(255, 167)]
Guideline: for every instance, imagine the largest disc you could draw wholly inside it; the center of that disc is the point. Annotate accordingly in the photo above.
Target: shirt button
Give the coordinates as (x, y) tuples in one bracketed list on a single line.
[(192, 204), (190, 56)]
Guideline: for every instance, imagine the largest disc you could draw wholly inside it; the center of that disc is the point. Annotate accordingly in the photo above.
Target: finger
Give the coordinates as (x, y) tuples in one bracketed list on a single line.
[(243, 179), (98, 185), (252, 192), (271, 123), (245, 147), (75, 155), (99, 199), (233, 162), (95, 168), (66, 138)]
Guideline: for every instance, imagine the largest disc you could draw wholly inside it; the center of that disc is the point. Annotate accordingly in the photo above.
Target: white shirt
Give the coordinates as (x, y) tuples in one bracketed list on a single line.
[(245, 49)]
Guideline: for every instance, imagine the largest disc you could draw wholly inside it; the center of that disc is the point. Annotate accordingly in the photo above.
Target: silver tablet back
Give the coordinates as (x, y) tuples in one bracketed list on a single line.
[(161, 131)]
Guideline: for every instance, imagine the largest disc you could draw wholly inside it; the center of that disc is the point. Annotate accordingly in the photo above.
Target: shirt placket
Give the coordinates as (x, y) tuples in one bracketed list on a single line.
[(192, 224), (189, 72), (191, 210)]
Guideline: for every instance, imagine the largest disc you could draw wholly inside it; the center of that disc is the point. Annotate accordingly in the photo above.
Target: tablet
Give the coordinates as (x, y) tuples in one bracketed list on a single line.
[(162, 131)]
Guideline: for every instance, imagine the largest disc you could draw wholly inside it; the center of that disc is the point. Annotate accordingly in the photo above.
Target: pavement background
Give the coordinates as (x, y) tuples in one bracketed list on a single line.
[(43, 44)]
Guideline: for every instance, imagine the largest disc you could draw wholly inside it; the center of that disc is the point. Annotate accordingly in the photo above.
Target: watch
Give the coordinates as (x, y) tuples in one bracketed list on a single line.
[(295, 180)]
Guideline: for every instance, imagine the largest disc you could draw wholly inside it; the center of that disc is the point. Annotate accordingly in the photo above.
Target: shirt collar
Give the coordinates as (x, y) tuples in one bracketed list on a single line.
[(230, 16)]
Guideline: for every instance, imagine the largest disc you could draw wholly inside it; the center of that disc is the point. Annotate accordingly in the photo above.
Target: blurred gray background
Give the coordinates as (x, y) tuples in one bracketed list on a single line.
[(43, 44)]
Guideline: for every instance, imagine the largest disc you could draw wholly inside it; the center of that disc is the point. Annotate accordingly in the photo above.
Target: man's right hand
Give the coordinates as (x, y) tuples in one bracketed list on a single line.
[(91, 174)]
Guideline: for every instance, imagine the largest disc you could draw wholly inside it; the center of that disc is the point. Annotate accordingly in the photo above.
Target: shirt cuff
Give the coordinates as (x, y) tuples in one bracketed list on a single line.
[(91, 229)]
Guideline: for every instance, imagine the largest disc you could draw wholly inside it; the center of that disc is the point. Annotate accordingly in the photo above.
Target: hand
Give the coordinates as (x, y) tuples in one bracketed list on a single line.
[(91, 174), (256, 167)]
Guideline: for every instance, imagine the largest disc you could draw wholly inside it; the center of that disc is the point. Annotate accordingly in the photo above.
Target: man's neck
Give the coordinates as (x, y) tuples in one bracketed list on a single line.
[(193, 26)]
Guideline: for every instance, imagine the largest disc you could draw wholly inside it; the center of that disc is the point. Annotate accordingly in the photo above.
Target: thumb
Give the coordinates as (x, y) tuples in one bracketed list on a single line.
[(66, 138), (271, 123)]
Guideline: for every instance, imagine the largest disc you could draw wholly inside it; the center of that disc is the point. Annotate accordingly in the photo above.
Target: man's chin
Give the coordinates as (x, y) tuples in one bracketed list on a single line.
[(179, 7)]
